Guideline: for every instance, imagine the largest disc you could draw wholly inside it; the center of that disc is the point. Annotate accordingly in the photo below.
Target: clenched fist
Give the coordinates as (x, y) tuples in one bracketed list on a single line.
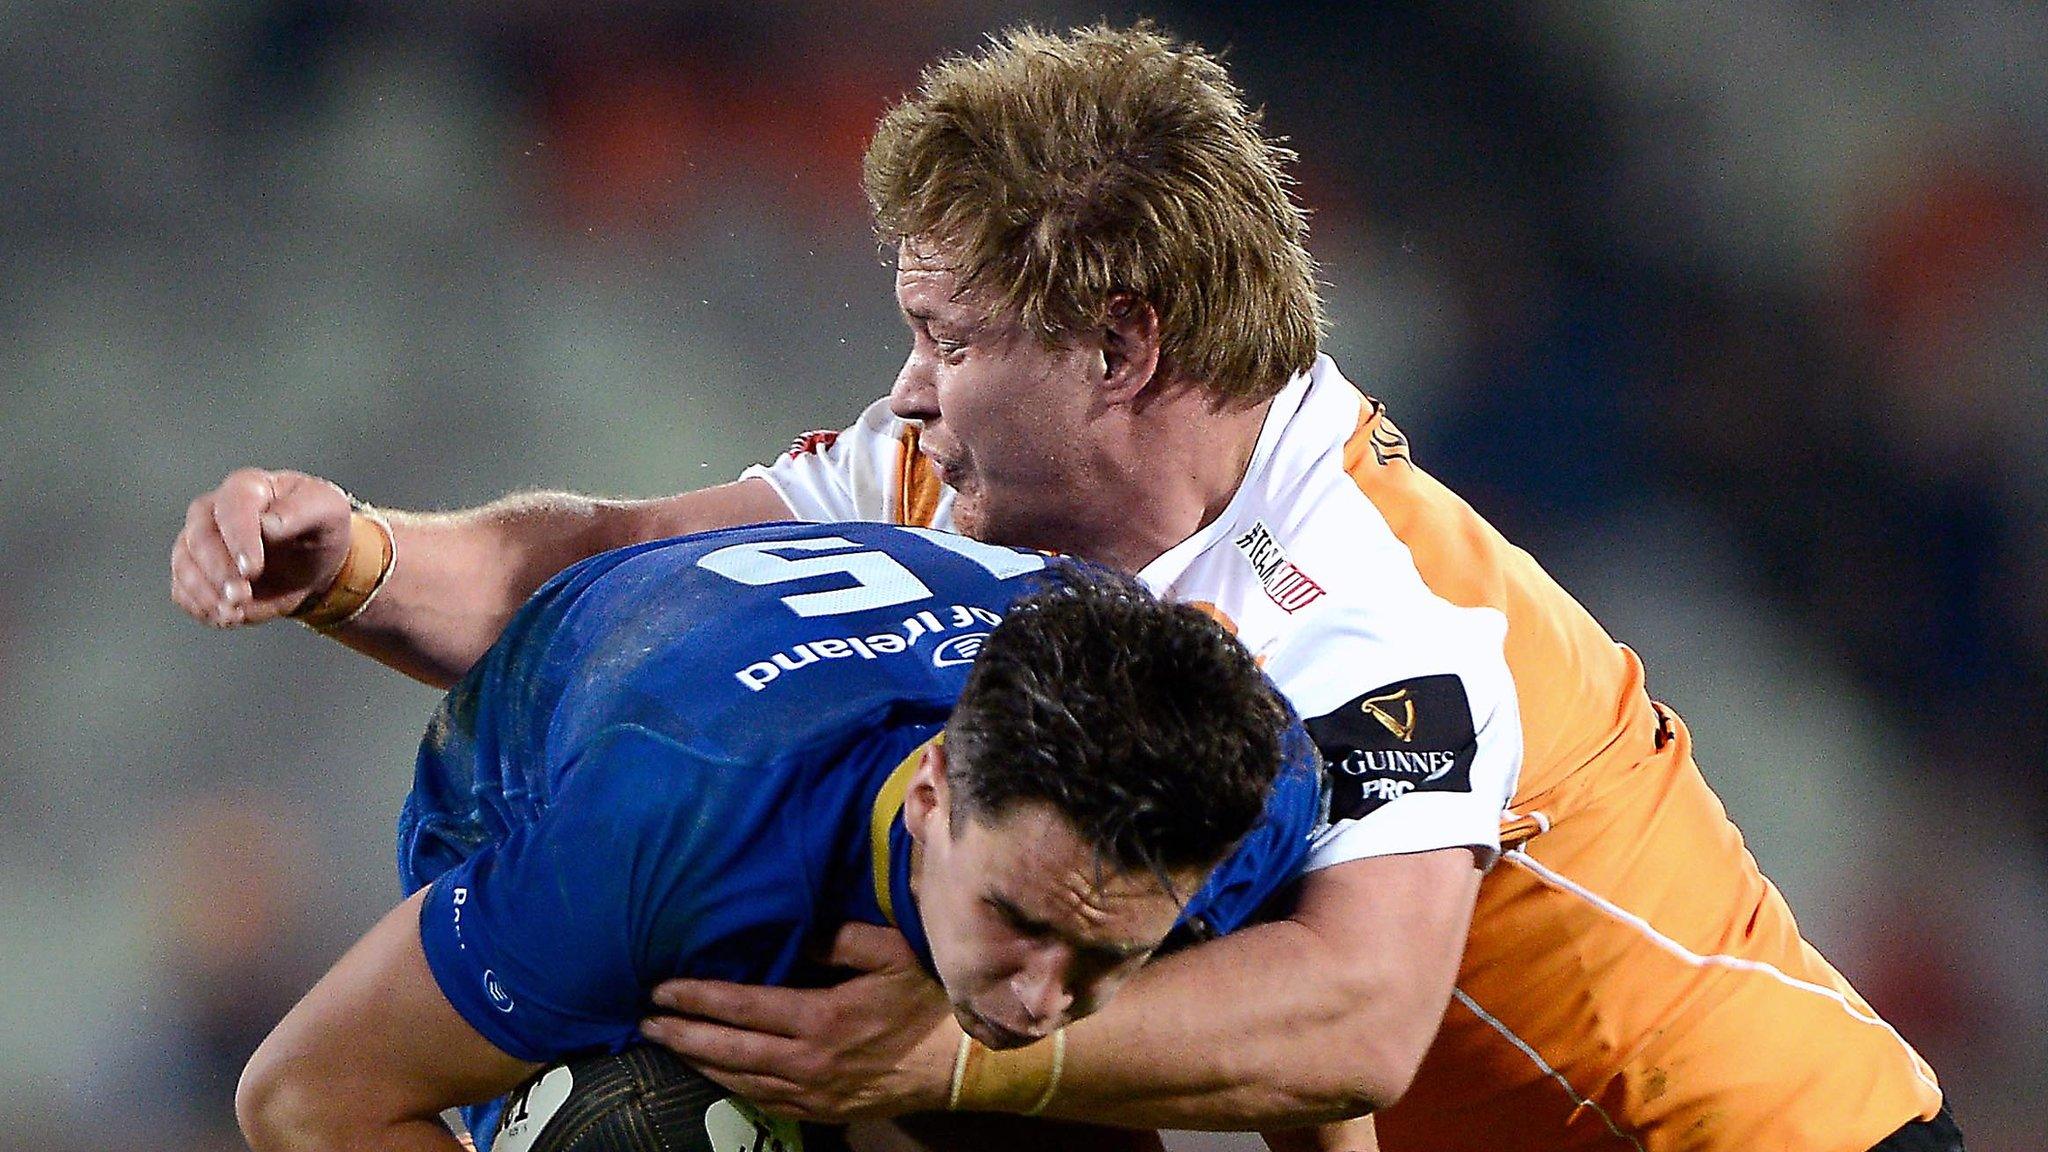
[(257, 546)]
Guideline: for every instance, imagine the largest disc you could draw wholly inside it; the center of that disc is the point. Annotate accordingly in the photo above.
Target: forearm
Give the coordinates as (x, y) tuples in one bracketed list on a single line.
[(1263, 1029), (1323, 1016), (459, 576)]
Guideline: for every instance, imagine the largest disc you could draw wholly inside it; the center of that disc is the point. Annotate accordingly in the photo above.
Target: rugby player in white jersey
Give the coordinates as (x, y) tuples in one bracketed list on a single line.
[(1114, 329)]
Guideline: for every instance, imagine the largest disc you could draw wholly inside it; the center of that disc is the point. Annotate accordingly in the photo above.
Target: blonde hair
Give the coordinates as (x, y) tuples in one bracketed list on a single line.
[(1063, 171)]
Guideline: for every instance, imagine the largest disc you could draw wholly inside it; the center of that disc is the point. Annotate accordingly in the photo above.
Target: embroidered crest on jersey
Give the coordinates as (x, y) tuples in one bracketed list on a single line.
[(1284, 584), (813, 443), (1414, 736)]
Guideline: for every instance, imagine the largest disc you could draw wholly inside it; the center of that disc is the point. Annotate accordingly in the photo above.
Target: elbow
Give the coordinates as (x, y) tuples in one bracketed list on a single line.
[(1342, 1089), (279, 1111), (260, 1106), (1365, 1086), (1382, 1086), (1377, 1054)]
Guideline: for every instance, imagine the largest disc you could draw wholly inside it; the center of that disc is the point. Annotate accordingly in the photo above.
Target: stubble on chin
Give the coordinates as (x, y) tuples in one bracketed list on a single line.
[(968, 517)]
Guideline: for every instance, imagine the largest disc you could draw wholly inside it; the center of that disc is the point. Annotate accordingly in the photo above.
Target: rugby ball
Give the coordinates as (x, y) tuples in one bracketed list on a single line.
[(644, 1099)]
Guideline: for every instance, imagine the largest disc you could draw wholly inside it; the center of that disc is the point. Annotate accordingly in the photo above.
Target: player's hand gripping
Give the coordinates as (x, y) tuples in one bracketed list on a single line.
[(879, 1044), (256, 547)]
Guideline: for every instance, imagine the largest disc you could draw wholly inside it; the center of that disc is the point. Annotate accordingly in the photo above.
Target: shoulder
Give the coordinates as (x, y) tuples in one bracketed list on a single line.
[(1339, 538)]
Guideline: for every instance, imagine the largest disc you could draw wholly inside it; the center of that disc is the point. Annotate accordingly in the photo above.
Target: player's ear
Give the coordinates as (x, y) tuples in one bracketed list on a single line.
[(924, 802), (1130, 347)]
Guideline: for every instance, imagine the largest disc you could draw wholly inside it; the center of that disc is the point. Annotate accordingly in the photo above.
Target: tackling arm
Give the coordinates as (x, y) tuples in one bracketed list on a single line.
[(371, 1056), (263, 543), (1318, 1017)]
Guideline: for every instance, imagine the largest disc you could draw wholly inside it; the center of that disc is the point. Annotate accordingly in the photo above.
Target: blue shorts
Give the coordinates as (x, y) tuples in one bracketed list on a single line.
[(463, 796), (450, 814)]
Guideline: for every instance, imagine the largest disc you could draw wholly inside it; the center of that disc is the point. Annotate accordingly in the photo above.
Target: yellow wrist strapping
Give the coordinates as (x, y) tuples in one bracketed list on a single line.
[(372, 553), (1017, 1080)]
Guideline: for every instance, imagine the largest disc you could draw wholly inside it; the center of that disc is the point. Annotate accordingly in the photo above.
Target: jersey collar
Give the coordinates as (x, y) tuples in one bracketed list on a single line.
[(1168, 566), (890, 849), (883, 818)]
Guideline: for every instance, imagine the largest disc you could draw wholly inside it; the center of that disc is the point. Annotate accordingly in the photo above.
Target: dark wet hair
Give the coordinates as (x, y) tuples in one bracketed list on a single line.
[(1146, 724)]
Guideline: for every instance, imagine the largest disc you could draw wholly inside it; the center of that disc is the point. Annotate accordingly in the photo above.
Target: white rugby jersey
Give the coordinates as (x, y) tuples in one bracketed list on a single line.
[(1407, 693)]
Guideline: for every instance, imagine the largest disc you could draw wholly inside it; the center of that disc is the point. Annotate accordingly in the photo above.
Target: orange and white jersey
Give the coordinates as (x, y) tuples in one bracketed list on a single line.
[(1631, 980), (1406, 692)]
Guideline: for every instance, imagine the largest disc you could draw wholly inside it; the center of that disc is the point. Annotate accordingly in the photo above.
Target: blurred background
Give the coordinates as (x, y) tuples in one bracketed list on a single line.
[(1736, 315)]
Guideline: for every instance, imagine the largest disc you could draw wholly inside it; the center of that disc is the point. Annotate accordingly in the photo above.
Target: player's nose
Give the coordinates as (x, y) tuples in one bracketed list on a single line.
[(914, 396), (1045, 990)]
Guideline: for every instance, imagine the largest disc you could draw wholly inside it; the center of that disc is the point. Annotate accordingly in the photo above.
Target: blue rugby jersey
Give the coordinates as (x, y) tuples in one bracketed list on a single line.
[(678, 760)]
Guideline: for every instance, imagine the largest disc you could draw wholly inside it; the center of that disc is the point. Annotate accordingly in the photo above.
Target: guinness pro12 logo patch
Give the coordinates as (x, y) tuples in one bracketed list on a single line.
[(1414, 736)]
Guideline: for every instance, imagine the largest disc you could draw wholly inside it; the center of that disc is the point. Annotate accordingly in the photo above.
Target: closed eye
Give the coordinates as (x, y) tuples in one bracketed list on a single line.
[(1017, 919), (1031, 928)]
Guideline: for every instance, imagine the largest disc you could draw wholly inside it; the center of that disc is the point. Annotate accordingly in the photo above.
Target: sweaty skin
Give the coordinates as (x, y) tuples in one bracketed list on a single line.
[(1028, 934)]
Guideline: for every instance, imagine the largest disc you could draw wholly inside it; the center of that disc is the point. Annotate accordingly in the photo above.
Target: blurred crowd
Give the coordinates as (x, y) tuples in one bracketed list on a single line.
[(1735, 315)]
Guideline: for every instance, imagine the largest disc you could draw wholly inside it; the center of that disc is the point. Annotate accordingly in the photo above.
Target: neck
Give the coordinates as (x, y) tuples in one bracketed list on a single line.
[(1171, 469)]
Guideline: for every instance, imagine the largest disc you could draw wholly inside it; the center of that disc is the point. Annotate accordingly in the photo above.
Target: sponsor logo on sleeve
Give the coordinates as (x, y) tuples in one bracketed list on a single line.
[(812, 443), (1395, 711), (1388, 442), (1283, 583), (1414, 736)]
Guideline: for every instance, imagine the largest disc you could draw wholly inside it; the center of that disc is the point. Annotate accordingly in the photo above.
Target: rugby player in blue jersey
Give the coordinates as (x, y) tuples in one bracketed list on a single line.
[(703, 756)]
